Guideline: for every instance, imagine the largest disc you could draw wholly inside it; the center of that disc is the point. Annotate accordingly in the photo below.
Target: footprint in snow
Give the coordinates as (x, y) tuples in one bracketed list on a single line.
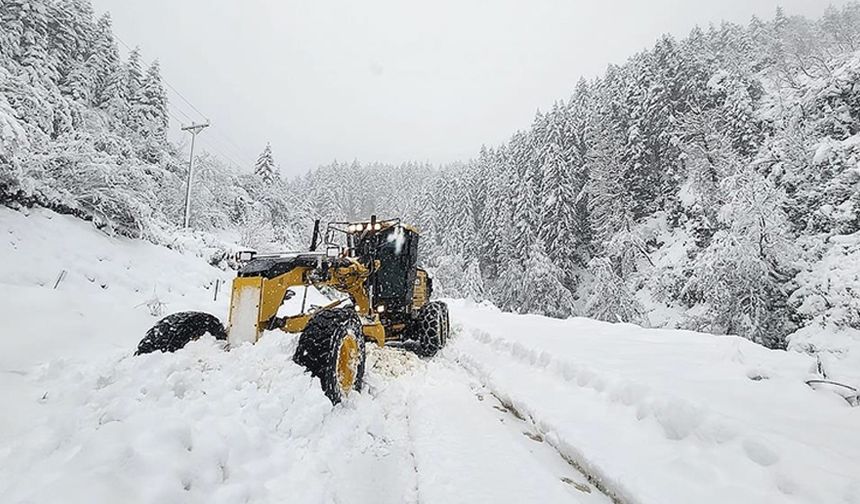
[(760, 453)]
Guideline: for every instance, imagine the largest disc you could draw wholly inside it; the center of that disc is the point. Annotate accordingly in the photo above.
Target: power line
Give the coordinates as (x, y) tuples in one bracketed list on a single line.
[(190, 119), (178, 120), (237, 150), (163, 79), (214, 147), (183, 98), (122, 42), (206, 140)]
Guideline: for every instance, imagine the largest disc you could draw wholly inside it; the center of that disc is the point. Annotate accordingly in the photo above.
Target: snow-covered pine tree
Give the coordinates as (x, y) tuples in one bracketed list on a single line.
[(526, 218), (510, 291), (133, 73), (72, 39), (496, 230), (104, 63), (425, 220), (478, 175), (149, 106), (265, 167), (472, 284), (448, 275), (580, 126), (541, 290), (650, 157), (28, 31), (740, 122), (460, 237), (558, 202), (609, 201)]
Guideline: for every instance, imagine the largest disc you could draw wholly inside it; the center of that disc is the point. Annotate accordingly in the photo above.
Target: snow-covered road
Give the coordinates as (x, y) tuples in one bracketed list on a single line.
[(515, 409)]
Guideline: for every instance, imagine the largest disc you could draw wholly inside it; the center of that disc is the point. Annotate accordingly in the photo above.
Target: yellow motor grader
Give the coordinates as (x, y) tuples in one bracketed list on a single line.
[(387, 301)]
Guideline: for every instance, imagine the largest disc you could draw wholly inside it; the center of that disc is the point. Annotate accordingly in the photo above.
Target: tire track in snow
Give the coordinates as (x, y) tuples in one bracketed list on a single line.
[(593, 480), (577, 461), (526, 426), (465, 446)]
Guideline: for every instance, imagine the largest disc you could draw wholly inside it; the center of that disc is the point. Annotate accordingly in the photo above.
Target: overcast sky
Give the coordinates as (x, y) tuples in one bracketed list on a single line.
[(392, 80)]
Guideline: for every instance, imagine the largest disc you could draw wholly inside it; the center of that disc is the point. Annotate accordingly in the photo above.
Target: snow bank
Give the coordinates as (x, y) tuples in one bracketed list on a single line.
[(666, 416)]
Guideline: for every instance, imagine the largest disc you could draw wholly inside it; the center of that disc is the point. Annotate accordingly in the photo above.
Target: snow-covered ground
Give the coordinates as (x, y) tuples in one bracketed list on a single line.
[(668, 416), (515, 409)]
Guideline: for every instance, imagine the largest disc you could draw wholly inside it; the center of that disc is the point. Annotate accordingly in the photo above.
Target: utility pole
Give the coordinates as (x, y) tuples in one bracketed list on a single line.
[(194, 129)]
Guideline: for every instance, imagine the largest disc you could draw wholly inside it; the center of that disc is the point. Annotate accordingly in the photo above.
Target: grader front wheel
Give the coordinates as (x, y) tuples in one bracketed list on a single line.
[(332, 348)]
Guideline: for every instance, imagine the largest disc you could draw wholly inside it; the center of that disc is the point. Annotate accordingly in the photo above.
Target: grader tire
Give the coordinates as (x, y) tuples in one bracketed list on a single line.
[(332, 348), (175, 331), (446, 333), (430, 328)]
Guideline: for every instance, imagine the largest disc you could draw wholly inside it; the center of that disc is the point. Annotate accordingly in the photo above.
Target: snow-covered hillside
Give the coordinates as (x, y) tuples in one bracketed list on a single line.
[(70, 293), (516, 409)]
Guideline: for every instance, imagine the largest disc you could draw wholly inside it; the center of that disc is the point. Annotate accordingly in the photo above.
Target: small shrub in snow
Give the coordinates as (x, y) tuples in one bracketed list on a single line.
[(156, 307)]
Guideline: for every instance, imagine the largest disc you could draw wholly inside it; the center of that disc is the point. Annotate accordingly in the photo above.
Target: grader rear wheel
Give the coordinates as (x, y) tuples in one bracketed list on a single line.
[(332, 348), (430, 329)]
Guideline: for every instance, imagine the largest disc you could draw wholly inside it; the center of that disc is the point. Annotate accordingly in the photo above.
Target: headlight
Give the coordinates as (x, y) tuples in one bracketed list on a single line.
[(380, 309), (351, 228), (368, 228), (377, 227)]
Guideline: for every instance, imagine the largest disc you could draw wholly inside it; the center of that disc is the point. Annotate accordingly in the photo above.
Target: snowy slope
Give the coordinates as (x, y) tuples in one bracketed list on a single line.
[(516, 409), (98, 308)]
